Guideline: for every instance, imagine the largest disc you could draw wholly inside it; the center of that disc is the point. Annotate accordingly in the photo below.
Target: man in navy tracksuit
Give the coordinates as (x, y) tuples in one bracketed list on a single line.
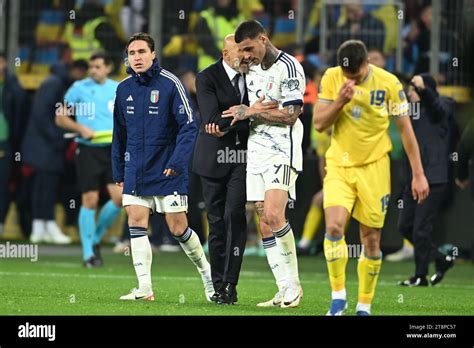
[(153, 137)]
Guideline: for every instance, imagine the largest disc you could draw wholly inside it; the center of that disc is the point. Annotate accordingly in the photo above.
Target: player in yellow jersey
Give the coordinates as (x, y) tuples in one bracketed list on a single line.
[(357, 99)]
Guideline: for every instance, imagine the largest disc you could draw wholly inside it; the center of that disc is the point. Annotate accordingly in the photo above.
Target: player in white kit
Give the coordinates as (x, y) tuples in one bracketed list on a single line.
[(274, 156)]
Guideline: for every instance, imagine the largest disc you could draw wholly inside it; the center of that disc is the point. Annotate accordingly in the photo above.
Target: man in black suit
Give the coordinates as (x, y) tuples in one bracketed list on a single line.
[(220, 160)]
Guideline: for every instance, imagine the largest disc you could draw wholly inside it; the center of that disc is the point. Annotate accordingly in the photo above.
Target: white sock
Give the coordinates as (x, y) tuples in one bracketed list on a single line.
[(339, 295), (141, 256), (191, 245), (286, 242), (275, 261), (363, 307), (304, 243), (38, 227)]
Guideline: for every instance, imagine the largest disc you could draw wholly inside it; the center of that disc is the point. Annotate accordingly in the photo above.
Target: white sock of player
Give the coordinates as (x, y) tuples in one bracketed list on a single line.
[(275, 261), (363, 307), (339, 295), (304, 243), (286, 242), (141, 256), (191, 245)]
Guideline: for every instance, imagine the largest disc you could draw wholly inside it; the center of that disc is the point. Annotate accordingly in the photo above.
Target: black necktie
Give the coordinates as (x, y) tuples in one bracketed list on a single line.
[(235, 81)]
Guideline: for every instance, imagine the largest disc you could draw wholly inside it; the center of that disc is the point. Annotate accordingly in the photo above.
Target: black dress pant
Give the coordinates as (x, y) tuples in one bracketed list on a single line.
[(5, 168), (44, 195), (225, 200), (415, 223)]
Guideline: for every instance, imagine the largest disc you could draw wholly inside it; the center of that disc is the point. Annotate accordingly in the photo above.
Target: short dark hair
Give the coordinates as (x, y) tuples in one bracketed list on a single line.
[(80, 64), (144, 37), (101, 55), (351, 55), (250, 29)]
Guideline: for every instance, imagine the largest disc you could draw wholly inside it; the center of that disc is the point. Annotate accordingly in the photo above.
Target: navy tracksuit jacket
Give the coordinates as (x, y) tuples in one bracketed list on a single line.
[(154, 129)]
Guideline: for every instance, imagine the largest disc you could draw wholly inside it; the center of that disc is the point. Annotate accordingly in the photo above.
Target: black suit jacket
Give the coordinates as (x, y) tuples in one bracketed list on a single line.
[(434, 130), (215, 94)]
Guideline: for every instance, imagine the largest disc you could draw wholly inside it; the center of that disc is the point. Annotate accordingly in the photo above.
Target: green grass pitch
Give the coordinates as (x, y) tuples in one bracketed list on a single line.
[(57, 284)]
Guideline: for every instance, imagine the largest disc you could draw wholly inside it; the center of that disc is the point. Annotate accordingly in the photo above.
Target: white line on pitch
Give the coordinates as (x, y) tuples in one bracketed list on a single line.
[(112, 276)]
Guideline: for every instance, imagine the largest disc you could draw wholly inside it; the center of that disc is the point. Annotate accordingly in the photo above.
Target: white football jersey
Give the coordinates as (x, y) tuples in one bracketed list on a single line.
[(271, 143)]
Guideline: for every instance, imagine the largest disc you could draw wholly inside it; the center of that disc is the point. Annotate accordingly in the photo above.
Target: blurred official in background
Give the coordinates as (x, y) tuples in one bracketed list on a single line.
[(44, 149), (12, 112), (432, 127), (91, 101)]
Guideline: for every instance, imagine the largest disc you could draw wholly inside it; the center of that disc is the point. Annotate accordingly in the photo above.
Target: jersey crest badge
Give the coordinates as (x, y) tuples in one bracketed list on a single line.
[(154, 96), (356, 112)]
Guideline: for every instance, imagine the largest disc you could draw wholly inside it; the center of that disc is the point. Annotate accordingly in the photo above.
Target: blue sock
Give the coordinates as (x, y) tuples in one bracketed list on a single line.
[(107, 216), (86, 231)]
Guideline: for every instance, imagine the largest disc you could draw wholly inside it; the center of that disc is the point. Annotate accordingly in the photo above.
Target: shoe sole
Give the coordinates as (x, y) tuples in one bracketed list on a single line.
[(268, 304), (149, 298)]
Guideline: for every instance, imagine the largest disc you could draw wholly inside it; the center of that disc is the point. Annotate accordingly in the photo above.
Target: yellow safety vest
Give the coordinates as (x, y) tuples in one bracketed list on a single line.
[(220, 27), (84, 45)]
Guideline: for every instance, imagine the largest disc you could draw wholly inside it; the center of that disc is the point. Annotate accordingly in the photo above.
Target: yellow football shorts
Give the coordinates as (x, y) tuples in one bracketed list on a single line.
[(362, 190)]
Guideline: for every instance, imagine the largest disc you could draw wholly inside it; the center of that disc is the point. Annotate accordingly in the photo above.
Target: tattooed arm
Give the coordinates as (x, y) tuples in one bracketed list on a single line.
[(267, 112), (286, 116)]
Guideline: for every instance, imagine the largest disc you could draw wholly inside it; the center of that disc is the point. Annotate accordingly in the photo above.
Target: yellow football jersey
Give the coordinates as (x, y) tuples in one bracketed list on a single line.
[(360, 133)]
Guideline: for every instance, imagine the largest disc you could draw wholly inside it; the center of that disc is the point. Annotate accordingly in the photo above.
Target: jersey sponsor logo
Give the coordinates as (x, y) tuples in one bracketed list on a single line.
[(251, 83), (293, 84), (154, 96), (153, 110), (130, 98)]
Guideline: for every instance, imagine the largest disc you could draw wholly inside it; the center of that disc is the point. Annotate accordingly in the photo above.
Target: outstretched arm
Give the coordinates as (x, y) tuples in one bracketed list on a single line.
[(419, 185)]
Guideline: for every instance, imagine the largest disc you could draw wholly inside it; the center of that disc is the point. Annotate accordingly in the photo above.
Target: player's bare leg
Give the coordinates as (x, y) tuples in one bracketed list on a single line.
[(368, 269), (189, 241), (335, 251), (138, 218), (274, 258), (274, 213)]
